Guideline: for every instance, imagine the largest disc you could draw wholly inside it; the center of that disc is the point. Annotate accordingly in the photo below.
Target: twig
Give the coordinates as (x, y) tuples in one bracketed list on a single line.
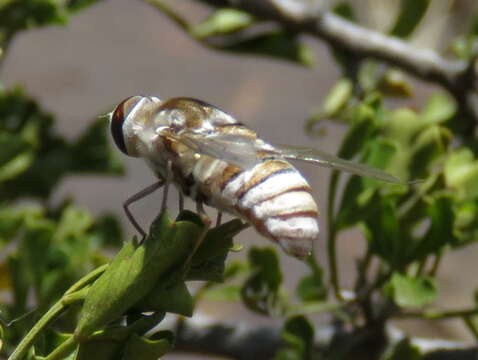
[(331, 236), (456, 76)]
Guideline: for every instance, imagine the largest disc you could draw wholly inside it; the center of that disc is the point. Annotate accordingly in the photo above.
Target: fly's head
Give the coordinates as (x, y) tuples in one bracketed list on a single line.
[(129, 119)]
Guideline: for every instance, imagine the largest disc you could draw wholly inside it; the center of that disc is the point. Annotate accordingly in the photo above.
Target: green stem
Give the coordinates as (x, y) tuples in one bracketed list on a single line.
[(331, 238), (30, 338), (439, 314), (87, 279), (435, 265), (75, 293), (62, 351), (421, 267)]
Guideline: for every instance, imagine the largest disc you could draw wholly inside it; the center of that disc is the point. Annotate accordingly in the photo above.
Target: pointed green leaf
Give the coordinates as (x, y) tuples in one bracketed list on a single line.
[(140, 348), (385, 236), (132, 276), (411, 13), (298, 333), (441, 230), (222, 21), (438, 109), (208, 262), (412, 291), (312, 287), (105, 345), (461, 171), (338, 97), (171, 296), (260, 292)]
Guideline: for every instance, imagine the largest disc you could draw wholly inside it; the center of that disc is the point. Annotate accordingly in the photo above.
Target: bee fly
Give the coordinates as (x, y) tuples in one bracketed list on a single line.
[(220, 162)]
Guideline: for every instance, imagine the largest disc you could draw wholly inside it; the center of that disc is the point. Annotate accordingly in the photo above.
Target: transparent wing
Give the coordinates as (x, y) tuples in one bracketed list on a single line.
[(238, 150), (328, 160), (242, 151)]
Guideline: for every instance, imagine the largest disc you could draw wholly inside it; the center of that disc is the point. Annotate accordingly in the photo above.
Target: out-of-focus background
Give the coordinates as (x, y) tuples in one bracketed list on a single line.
[(121, 48)]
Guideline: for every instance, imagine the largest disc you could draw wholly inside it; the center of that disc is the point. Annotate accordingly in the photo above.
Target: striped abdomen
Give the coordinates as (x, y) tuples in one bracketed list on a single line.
[(273, 196)]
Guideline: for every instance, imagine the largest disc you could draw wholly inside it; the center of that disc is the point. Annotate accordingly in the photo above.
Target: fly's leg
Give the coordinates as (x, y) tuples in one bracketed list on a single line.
[(218, 218), (168, 179), (138, 196), (207, 225)]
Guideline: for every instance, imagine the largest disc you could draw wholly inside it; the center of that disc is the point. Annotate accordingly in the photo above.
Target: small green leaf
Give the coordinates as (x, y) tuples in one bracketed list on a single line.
[(412, 291), (312, 287), (73, 222), (385, 236), (359, 133), (441, 230), (439, 109), (134, 272), (428, 146), (171, 296), (402, 125), (107, 231), (411, 13), (394, 83), (298, 333), (338, 97), (139, 347), (16, 156), (223, 293), (208, 262), (260, 292), (222, 21), (18, 15), (104, 346), (461, 171), (344, 10), (466, 222)]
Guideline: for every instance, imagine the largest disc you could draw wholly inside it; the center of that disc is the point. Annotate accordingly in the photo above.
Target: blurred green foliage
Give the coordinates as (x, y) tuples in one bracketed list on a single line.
[(55, 263)]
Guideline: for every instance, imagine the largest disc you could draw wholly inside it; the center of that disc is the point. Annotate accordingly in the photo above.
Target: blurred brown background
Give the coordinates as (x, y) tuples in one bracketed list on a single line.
[(124, 47)]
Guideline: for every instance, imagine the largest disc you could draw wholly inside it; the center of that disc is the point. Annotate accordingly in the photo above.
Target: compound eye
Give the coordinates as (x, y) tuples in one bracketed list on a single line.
[(120, 114)]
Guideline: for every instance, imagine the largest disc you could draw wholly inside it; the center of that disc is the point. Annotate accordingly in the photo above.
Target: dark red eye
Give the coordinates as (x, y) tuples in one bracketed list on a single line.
[(117, 120)]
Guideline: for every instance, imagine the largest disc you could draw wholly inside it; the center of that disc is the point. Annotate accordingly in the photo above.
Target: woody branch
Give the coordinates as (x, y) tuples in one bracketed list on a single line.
[(456, 76)]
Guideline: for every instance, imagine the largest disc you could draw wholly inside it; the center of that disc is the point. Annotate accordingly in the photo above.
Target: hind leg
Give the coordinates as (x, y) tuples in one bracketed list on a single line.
[(138, 196)]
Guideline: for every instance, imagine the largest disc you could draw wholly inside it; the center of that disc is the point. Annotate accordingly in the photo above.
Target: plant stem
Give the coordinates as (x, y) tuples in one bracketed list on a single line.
[(87, 279), (331, 238), (421, 267), (439, 314), (63, 350), (28, 340), (435, 265), (71, 296)]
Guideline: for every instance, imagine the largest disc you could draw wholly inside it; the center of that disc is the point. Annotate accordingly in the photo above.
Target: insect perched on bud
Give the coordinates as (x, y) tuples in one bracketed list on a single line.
[(220, 162)]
